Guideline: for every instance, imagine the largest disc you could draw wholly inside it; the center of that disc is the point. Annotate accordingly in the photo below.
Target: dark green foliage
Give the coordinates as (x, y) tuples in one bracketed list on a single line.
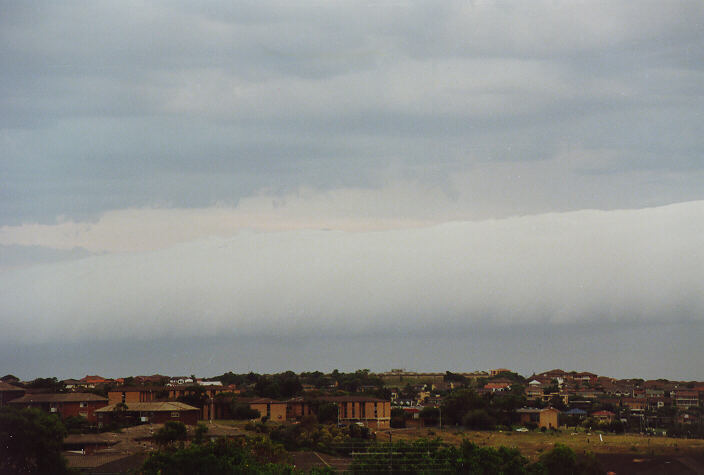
[(562, 460), (76, 424), (430, 416), (51, 384), (196, 396), (199, 433), (279, 386), (171, 432), (616, 426), (10, 378), (30, 442), (352, 382), (327, 413), (559, 461), (460, 403), (478, 419), (242, 412), (454, 378), (398, 418), (431, 456), (257, 456), (317, 379), (323, 438)]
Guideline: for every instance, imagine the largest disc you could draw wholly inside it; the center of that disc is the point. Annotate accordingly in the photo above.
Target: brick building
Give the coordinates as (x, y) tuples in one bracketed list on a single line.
[(547, 417), (8, 392), (64, 404), (149, 413)]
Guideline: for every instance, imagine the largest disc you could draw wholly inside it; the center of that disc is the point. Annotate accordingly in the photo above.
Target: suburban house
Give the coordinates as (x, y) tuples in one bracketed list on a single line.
[(585, 377), (546, 417), (180, 380), (8, 392), (637, 405), (64, 404), (534, 390), (686, 398), (603, 416), (497, 385), (90, 381), (149, 412)]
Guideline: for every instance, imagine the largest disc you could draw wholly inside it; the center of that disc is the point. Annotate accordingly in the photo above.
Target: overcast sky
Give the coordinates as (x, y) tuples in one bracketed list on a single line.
[(197, 188)]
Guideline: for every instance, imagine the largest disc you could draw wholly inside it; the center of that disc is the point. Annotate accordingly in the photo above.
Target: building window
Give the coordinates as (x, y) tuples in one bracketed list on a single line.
[(175, 415), (83, 404)]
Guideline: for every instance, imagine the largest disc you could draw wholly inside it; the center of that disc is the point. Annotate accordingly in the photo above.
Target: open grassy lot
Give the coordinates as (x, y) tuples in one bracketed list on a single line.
[(532, 444)]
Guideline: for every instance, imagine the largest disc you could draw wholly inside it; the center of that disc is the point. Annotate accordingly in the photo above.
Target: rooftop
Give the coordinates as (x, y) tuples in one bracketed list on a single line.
[(165, 406), (58, 397)]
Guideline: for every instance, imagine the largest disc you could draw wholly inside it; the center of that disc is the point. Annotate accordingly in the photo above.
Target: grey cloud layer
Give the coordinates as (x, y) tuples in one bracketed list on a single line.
[(641, 266), (114, 105)]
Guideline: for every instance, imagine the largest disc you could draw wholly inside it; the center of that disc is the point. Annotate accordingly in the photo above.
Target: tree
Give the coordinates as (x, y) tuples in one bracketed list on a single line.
[(30, 442), (242, 412), (171, 432), (199, 433), (478, 419), (52, 384), (562, 460), (10, 378), (327, 413), (430, 415), (221, 457), (195, 396)]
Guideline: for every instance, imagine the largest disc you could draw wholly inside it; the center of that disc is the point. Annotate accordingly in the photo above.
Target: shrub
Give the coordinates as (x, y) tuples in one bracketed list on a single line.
[(171, 432), (478, 419)]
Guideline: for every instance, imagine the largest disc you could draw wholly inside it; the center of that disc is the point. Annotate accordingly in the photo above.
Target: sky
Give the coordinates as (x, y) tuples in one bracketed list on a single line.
[(194, 188)]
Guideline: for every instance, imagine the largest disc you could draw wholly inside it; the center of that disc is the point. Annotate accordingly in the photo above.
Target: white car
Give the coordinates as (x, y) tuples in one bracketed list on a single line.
[(521, 429)]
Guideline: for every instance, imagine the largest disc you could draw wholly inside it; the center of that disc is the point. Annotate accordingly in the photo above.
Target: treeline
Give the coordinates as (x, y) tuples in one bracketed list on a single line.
[(289, 384), (431, 456), (467, 408)]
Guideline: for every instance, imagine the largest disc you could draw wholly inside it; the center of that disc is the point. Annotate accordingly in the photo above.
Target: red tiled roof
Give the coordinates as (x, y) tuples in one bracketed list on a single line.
[(9, 387), (57, 397)]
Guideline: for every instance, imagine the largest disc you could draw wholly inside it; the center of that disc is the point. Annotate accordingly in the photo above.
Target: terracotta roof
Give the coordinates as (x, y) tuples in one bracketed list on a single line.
[(124, 389), (165, 406), (57, 397), (9, 387), (350, 399)]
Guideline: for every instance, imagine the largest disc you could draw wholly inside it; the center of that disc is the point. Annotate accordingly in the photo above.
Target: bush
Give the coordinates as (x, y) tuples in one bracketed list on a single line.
[(199, 433), (243, 412), (76, 424), (171, 432), (222, 457), (478, 419)]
